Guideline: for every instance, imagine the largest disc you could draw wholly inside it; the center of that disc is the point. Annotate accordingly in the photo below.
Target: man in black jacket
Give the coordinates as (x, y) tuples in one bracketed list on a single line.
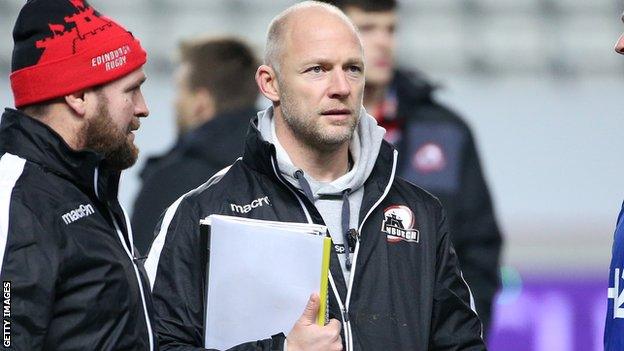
[(70, 276), (437, 147), (316, 156), (215, 97)]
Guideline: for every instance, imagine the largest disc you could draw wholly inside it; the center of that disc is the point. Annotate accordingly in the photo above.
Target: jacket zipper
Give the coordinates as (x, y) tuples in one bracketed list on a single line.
[(134, 265), (309, 219), (357, 245), (344, 308)]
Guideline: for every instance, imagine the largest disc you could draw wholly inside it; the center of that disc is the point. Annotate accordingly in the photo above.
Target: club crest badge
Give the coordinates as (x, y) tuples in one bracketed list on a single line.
[(399, 224)]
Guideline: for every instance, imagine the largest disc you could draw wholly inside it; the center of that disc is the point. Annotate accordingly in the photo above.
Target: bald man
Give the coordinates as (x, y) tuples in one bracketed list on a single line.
[(318, 157)]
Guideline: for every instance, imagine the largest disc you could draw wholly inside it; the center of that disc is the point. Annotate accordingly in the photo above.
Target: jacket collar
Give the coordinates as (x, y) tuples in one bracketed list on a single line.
[(260, 155), (33, 140)]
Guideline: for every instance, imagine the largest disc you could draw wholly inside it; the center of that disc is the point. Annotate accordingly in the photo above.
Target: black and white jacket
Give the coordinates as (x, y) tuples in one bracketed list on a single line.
[(69, 275), (405, 292)]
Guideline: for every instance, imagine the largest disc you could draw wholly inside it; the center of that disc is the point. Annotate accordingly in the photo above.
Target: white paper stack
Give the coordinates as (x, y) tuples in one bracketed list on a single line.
[(260, 275)]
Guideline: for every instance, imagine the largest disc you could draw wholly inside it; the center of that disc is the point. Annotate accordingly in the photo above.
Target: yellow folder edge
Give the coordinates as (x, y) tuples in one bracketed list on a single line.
[(322, 317)]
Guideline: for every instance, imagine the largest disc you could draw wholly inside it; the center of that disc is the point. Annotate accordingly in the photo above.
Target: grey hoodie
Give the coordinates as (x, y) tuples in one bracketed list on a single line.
[(328, 197)]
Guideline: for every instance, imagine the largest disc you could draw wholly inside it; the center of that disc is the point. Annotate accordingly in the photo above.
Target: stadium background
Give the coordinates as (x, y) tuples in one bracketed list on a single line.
[(542, 88)]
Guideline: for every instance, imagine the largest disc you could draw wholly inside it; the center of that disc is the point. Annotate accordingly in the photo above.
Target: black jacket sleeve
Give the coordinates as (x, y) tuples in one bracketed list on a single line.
[(476, 235), (29, 271), (178, 290), (454, 324)]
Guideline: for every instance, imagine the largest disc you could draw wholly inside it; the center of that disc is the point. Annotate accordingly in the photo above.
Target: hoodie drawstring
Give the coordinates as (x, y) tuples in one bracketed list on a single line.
[(346, 216), (305, 186)]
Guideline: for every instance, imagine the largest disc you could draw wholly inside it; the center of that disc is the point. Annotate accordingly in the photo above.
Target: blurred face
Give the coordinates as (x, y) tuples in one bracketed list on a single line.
[(184, 100), (619, 46), (321, 80), (377, 32), (113, 118)]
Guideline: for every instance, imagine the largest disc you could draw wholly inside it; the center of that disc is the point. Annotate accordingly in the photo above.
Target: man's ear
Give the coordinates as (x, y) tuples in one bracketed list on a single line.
[(204, 105), (76, 102), (266, 79)]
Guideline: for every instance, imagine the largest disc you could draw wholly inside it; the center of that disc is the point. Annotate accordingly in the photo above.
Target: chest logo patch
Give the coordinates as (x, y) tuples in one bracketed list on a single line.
[(250, 206), (78, 213), (429, 158), (399, 224)]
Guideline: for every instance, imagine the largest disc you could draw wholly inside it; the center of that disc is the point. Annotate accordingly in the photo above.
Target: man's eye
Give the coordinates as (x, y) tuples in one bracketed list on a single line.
[(315, 69), (355, 69)]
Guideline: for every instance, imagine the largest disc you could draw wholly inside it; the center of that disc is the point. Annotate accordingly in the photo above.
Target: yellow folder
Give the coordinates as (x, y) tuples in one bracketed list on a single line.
[(323, 315)]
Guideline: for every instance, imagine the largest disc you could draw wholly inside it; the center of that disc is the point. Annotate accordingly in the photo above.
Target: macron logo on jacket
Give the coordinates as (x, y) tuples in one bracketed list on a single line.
[(81, 212), (246, 208)]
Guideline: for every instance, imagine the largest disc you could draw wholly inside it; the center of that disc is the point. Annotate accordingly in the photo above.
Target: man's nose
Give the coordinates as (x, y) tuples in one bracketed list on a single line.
[(383, 39), (340, 86), (619, 46), (141, 109)]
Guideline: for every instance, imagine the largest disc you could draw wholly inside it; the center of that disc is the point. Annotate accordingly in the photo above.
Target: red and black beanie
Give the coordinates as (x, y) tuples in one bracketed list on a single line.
[(63, 46)]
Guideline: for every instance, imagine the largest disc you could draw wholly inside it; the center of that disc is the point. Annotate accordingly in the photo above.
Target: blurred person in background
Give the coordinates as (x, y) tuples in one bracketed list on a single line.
[(216, 95), (614, 326), (436, 146), (71, 278)]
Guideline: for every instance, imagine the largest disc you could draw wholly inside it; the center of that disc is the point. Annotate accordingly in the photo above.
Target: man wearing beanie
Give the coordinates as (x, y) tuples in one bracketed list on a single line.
[(71, 280)]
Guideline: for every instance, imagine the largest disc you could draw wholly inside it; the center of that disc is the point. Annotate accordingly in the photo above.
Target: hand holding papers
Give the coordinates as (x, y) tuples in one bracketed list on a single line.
[(260, 275), (307, 335)]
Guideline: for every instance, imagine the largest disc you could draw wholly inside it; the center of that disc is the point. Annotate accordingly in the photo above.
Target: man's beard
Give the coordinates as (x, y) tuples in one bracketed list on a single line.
[(102, 135), (309, 129)]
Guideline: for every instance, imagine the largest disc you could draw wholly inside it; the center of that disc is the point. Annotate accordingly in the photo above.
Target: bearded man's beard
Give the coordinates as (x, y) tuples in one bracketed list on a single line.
[(102, 135)]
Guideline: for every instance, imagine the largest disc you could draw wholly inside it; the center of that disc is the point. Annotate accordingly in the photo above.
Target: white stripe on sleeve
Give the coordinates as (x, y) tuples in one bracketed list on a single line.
[(151, 263)]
